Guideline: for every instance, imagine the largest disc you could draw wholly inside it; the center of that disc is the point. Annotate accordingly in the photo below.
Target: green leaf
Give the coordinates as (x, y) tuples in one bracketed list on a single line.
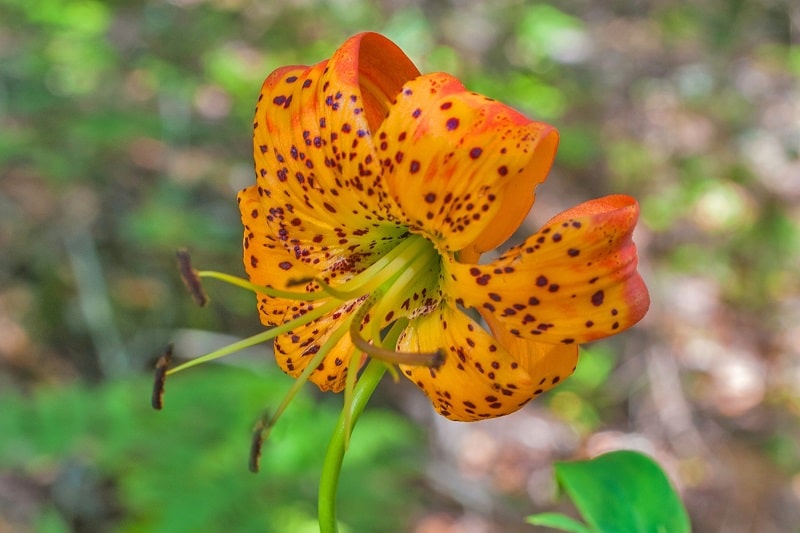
[(623, 491), (557, 521)]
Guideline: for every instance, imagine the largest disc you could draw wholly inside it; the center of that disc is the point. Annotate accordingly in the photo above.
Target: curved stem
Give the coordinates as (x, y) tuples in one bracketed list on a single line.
[(329, 480)]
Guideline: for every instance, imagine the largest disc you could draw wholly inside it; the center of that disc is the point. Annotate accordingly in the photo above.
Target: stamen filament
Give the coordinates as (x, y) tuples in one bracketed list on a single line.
[(262, 289), (259, 337), (349, 387)]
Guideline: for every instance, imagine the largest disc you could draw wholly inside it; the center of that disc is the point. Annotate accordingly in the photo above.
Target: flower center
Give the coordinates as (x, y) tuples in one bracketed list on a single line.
[(375, 306)]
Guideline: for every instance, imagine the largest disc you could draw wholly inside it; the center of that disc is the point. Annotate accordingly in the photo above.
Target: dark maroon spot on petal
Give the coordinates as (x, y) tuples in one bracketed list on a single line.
[(414, 168), (306, 84), (495, 297), (541, 281), (556, 237), (285, 265), (291, 79), (329, 207), (475, 153), (573, 252), (430, 198), (279, 100), (502, 170), (417, 112), (446, 105), (533, 300), (597, 298), (452, 123)]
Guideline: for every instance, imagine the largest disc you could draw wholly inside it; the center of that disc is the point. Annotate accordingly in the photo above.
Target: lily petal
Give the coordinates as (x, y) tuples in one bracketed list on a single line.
[(573, 281), (317, 172), (460, 167), (295, 349), (268, 263), (479, 378), (547, 364)]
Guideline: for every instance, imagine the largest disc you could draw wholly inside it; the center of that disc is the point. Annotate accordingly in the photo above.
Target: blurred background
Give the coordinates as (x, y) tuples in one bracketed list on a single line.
[(125, 134)]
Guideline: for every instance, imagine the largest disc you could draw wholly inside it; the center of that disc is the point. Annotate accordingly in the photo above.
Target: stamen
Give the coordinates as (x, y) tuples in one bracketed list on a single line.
[(190, 277), (259, 337), (157, 399)]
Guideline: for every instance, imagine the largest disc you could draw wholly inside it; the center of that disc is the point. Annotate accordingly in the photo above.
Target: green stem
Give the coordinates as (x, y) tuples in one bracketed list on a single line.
[(329, 480)]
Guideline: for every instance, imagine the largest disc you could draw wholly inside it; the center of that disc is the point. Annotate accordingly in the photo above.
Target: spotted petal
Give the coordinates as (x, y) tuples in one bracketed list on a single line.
[(547, 364), (268, 263), (479, 378), (572, 282), (461, 168), (316, 169)]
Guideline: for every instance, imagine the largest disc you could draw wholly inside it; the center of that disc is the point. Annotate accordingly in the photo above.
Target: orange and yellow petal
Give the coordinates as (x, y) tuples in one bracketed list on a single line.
[(296, 349), (459, 167), (268, 263), (547, 364), (573, 281), (317, 172), (479, 379)]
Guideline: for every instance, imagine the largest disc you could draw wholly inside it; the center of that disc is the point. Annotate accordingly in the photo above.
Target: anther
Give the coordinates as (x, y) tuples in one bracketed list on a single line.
[(157, 399), (190, 277), (259, 434)]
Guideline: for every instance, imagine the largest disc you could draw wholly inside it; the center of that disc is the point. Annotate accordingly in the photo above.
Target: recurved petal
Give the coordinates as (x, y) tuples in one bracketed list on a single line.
[(460, 167), (479, 378), (316, 168), (547, 364), (573, 281)]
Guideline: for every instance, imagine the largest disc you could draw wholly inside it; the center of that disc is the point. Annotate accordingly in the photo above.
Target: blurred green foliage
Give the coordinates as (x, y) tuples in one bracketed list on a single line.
[(124, 134), (115, 461)]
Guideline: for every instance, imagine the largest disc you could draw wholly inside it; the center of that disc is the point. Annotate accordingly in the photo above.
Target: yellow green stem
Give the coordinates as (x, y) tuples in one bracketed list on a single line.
[(329, 481)]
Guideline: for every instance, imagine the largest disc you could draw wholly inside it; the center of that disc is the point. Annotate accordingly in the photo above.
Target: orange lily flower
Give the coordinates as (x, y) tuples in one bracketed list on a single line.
[(377, 190)]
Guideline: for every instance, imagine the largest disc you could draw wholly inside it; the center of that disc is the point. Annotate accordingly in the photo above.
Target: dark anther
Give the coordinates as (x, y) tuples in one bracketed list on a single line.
[(264, 423), (438, 359), (296, 282), (190, 277), (162, 365)]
